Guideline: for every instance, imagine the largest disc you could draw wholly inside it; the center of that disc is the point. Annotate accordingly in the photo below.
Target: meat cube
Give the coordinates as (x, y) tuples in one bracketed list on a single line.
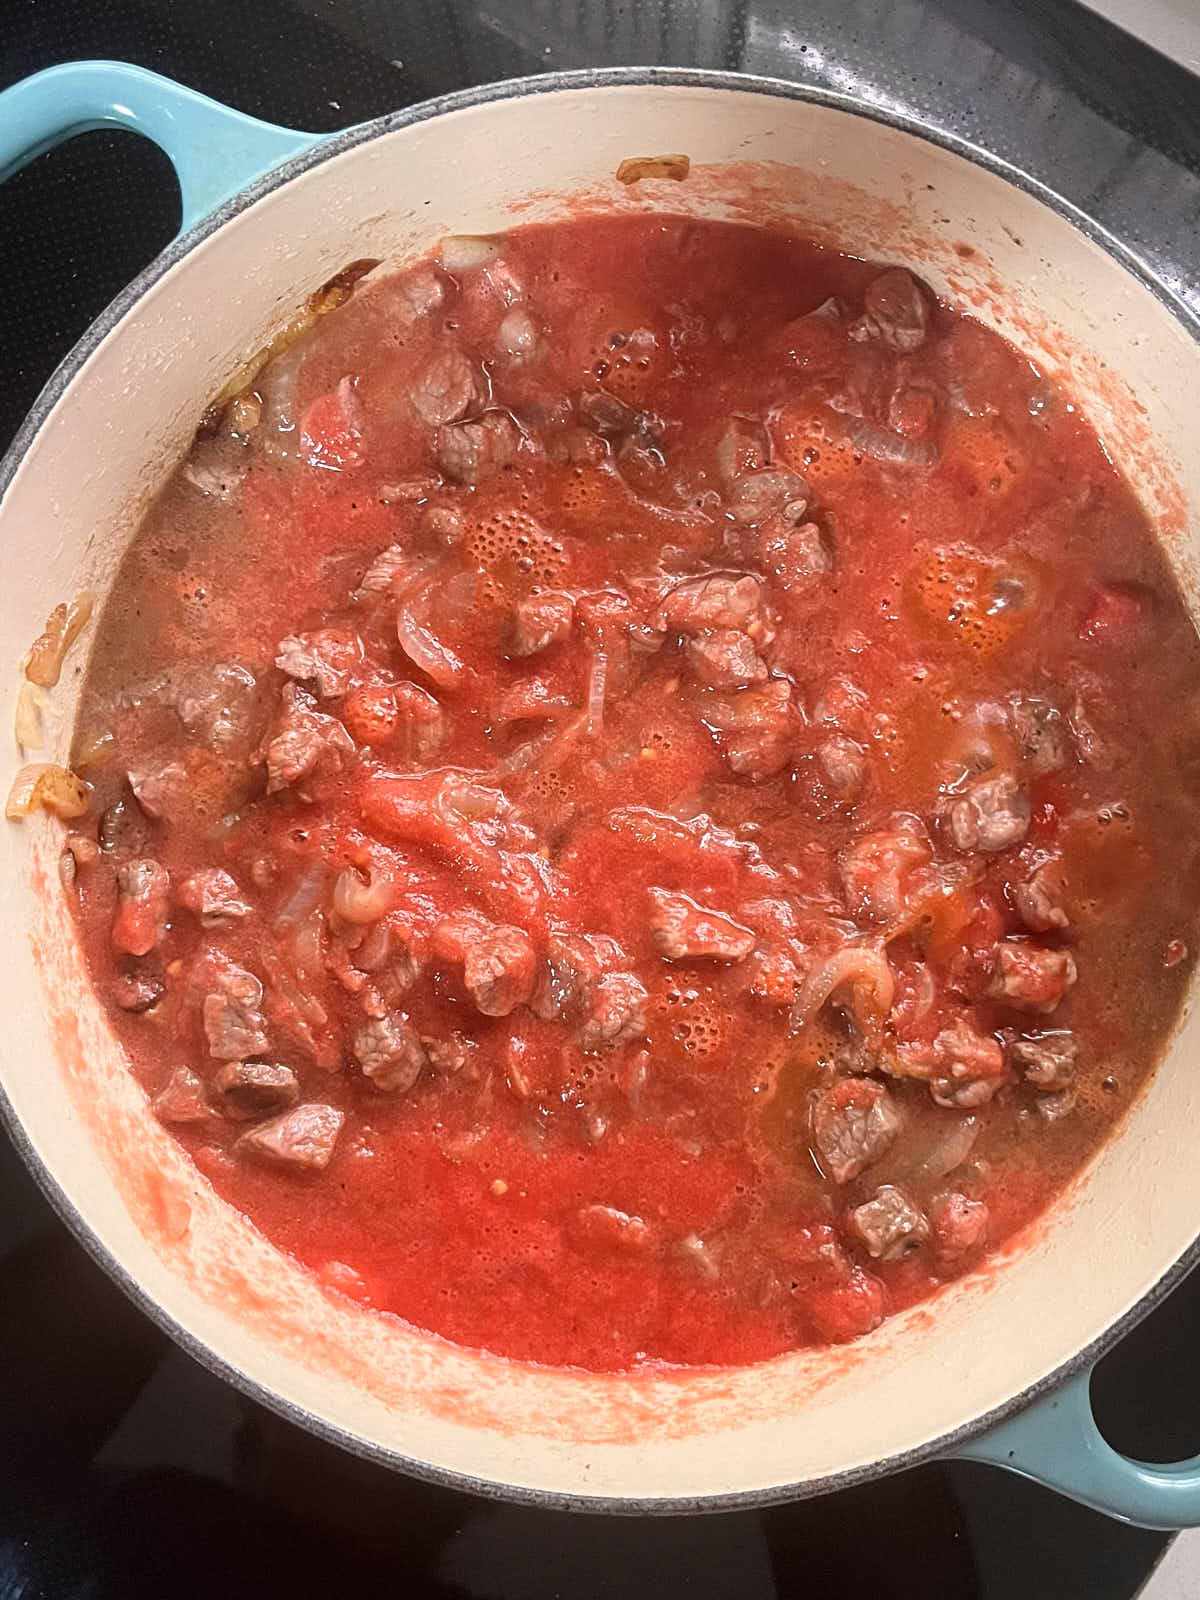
[(541, 620), (610, 1230), (843, 766), (303, 739), (212, 894), (844, 703), (498, 970), (724, 658), (959, 1225), (232, 1012), (1030, 977), (1039, 900), (755, 496), (876, 868), (449, 1056), (895, 312), (794, 554), (181, 1099), (161, 791), (1047, 1060), (302, 1138), (447, 387), (717, 600), (326, 657), (854, 1124), (246, 1090), (685, 931), (1040, 733), (143, 906), (743, 447), (390, 1052), (992, 815), (616, 1012), (471, 452), (969, 1066), (757, 728), (138, 991), (499, 962), (891, 1225), (574, 964)]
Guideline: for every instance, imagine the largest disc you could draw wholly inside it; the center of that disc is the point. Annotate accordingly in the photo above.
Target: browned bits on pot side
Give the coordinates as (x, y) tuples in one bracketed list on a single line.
[(634, 168), (327, 298)]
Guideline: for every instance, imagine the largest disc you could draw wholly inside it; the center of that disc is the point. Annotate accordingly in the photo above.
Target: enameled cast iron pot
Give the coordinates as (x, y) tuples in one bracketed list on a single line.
[(998, 1367)]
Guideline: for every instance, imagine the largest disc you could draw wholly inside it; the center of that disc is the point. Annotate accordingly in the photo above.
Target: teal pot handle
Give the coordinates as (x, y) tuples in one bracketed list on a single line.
[(215, 151), (1056, 1441)]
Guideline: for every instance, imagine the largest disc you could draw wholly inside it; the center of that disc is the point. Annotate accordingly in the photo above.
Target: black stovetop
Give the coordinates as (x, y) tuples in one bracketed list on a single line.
[(127, 1470)]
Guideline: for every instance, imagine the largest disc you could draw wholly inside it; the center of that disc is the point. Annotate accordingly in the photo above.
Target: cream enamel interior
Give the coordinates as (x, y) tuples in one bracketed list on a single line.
[(74, 503)]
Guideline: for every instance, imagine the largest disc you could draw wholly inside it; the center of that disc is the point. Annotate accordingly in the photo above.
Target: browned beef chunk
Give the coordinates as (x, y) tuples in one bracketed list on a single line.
[(854, 1123), (1047, 1060), (212, 895), (895, 311), (890, 1225), (447, 387), (992, 815), (246, 1090), (232, 1011), (302, 1138), (1030, 977), (471, 452), (181, 1099), (390, 1052)]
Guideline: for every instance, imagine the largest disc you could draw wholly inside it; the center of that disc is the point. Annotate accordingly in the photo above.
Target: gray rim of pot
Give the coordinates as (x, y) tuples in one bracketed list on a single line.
[(333, 145)]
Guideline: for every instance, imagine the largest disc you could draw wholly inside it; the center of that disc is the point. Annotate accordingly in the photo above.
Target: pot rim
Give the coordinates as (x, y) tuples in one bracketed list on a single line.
[(328, 146)]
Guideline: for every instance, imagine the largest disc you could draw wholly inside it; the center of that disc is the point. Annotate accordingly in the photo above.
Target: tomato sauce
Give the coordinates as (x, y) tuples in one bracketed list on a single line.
[(642, 794)]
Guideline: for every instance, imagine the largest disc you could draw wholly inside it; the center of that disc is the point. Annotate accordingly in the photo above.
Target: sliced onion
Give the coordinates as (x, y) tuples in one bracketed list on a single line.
[(306, 1011), (372, 953), (864, 967), (28, 722), (52, 788), (597, 683), (304, 898), (463, 252), (426, 651), (63, 626), (359, 902), (951, 1148), (881, 444), (308, 945)]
